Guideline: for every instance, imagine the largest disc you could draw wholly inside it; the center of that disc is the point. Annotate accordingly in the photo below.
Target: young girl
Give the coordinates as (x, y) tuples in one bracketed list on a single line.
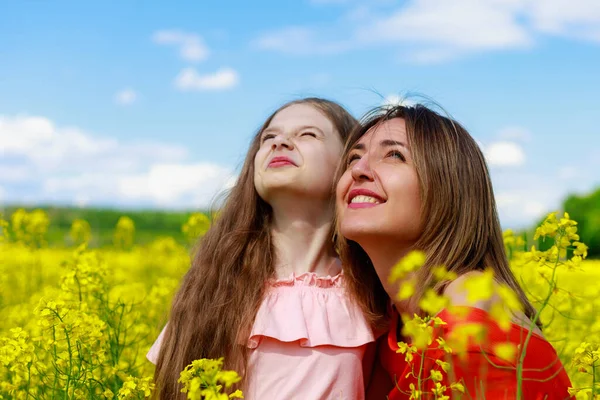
[(413, 179), (265, 290)]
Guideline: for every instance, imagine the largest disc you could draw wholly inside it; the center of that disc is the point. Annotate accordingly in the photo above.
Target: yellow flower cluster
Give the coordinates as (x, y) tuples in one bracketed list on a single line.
[(204, 379), (78, 322), (196, 226)]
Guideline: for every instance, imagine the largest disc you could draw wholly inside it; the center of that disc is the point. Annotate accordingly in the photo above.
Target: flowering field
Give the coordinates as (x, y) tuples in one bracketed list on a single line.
[(77, 322)]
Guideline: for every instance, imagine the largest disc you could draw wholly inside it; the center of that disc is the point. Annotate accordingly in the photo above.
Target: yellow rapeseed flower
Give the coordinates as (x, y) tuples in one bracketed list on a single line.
[(409, 263), (196, 226), (480, 286), (432, 302), (506, 351)]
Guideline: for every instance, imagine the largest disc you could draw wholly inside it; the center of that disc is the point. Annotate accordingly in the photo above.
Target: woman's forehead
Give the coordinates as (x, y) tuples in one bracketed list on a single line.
[(394, 129)]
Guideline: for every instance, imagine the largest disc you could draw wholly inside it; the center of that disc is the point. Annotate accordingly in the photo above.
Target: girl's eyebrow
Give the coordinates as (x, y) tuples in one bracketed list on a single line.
[(305, 127), (269, 130), (300, 128)]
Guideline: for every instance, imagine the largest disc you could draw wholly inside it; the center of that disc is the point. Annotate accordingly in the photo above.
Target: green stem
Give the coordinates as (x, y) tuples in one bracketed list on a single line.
[(552, 284), (593, 379), (419, 381)]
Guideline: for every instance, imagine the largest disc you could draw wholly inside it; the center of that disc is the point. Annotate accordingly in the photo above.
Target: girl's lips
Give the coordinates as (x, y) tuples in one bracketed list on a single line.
[(278, 162)]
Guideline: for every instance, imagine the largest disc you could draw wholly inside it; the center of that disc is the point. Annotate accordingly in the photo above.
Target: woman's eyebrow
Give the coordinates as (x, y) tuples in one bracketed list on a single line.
[(388, 142)]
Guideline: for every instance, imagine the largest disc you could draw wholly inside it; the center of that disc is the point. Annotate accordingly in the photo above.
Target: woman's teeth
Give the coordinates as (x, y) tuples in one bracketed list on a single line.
[(365, 199)]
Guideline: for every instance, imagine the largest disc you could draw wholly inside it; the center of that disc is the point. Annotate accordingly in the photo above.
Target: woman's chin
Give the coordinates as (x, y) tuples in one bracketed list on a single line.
[(358, 231)]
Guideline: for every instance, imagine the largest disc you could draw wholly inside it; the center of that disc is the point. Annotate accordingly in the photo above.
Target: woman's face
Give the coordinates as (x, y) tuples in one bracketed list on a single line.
[(378, 196), (299, 152)]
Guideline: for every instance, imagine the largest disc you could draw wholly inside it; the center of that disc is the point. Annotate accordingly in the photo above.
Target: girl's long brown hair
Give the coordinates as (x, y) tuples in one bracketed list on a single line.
[(460, 224), (214, 309)]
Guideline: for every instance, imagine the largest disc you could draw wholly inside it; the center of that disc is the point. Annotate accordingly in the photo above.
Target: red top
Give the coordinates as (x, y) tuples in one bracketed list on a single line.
[(484, 374)]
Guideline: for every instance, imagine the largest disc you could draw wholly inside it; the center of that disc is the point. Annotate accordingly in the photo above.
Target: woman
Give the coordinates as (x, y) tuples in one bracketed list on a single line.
[(415, 180), (265, 288)]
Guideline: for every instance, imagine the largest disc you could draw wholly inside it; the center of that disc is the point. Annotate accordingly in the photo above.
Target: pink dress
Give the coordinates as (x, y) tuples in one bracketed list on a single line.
[(308, 342)]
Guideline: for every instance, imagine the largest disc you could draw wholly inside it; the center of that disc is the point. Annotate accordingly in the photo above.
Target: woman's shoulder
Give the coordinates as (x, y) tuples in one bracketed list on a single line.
[(486, 299)]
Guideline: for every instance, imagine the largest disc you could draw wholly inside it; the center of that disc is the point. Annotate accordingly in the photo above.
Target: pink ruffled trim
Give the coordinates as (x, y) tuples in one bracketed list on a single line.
[(308, 279), (313, 310)]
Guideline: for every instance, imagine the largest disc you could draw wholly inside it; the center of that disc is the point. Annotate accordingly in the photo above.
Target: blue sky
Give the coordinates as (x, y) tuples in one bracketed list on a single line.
[(148, 104)]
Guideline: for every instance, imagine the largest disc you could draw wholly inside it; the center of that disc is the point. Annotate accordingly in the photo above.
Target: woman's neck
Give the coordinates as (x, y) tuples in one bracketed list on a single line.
[(302, 241), (385, 254)]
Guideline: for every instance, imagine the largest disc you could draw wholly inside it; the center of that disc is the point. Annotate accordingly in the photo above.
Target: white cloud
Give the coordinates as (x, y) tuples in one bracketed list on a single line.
[(524, 198), (81, 200), (358, 14), (443, 29), (2, 191), (571, 18), (230, 183), (515, 133), (35, 145), (522, 208), (71, 166), (296, 40), (126, 97), (191, 46), (165, 185), (505, 154), (568, 172), (190, 79), (176, 183), (433, 31), (14, 173)]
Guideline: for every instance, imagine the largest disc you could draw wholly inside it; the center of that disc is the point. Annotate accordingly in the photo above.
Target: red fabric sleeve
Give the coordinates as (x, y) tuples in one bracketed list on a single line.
[(484, 374)]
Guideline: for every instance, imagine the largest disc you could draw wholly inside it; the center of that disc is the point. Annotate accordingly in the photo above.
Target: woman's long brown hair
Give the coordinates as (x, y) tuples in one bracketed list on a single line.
[(214, 309), (460, 224)]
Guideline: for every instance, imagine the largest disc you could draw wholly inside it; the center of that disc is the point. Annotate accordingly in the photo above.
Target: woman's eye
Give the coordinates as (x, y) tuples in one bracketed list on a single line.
[(309, 134), (396, 154)]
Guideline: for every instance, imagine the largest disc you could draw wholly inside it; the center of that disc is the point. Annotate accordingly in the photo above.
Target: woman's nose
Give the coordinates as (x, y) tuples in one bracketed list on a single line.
[(361, 170)]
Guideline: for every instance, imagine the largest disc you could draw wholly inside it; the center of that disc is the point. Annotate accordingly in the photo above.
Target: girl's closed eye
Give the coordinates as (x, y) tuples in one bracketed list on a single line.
[(267, 137), (309, 134), (352, 158)]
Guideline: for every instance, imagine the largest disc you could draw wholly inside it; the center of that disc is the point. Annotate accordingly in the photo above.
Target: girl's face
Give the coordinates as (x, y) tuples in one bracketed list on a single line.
[(378, 196), (299, 152)]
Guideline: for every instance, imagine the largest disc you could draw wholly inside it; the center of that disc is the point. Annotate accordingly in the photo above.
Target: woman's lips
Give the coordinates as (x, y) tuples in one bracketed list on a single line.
[(364, 198), (363, 205)]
